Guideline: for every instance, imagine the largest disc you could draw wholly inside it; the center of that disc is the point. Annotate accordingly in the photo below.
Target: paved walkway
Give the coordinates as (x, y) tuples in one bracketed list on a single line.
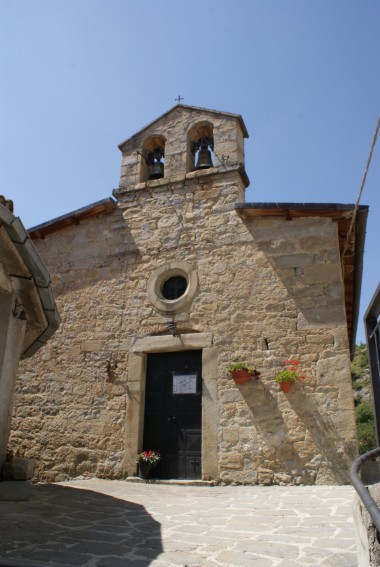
[(122, 524)]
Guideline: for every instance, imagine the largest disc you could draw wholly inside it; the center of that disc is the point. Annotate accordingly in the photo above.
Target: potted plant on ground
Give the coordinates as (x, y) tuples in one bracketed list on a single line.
[(242, 372), (147, 461), (289, 375)]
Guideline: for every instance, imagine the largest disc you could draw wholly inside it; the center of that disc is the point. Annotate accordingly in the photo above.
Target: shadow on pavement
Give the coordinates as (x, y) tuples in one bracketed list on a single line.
[(67, 526)]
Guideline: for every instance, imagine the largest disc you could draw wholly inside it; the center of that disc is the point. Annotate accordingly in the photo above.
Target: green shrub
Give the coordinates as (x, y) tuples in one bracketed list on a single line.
[(365, 423), (364, 412), (366, 436), (360, 361)]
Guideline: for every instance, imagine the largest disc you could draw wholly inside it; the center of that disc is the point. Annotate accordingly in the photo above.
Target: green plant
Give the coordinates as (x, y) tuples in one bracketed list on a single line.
[(148, 458), (361, 384), (366, 436), (364, 412), (242, 366), (360, 361), (291, 373), (365, 425)]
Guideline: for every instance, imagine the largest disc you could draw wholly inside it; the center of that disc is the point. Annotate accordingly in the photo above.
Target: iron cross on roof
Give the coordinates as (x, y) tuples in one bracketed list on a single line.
[(179, 98)]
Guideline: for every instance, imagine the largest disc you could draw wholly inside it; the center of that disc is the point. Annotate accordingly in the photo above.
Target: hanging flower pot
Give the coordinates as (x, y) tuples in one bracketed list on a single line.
[(285, 386), (289, 375), (242, 373), (241, 376)]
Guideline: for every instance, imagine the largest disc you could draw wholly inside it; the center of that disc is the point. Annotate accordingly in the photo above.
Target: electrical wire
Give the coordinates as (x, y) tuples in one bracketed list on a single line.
[(360, 192)]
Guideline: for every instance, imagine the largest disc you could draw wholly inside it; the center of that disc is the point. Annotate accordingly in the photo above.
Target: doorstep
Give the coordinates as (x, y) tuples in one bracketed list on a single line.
[(174, 481)]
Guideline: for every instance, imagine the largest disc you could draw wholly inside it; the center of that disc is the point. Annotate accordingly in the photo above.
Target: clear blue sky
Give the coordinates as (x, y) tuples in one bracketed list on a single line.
[(80, 76)]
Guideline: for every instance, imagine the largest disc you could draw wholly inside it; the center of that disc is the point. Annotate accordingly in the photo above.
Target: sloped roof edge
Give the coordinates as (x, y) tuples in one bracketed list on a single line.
[(301, 207), (73, 217), (238, 117)]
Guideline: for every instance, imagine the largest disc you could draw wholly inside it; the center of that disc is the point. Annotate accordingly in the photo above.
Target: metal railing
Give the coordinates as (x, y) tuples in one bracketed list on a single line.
[(362, 490), (372, 328)]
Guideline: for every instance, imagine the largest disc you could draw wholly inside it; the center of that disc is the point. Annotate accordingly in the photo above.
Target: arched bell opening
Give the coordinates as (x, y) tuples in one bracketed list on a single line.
[(200, 146), (153, 158)]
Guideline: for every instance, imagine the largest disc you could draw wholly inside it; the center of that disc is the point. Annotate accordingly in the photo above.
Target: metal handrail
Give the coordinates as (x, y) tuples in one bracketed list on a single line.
[(364, 494)]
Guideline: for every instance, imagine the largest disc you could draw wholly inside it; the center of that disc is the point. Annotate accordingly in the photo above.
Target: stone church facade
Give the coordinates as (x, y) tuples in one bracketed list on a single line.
[(162, 287)]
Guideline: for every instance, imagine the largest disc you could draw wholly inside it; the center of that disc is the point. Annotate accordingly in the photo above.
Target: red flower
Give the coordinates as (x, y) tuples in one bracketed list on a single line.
[(292, 371), (292, 361)]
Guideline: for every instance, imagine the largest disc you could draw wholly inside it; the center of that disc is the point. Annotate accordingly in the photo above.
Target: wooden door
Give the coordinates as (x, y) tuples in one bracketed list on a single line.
[(173, 413)]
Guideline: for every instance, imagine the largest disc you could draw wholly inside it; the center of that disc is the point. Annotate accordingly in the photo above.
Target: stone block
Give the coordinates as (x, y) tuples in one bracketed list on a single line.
[(91, 346), (324, 339), (310, 290), (168, 221), (334, 293), (311, 302), (231, 435), (331, 370), (282, 479), (229, 396), (232, 461), (323, 316), (294, 260), (322, 273), (265, 476), (206, 193), (19, 468)]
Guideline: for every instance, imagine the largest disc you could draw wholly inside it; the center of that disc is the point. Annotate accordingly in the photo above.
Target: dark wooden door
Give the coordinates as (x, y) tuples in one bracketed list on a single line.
[(173, 412)]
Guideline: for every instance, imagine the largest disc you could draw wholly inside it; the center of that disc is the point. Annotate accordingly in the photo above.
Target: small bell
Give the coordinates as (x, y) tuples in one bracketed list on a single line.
[(204, 159), (204, 155), (154, 159), (157, 170)]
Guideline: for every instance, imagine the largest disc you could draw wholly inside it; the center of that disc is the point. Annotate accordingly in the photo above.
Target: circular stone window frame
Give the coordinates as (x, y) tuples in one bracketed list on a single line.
[(161, 275)]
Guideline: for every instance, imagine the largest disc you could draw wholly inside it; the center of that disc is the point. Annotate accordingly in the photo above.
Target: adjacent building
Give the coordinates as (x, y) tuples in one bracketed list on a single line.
[(28, 314)]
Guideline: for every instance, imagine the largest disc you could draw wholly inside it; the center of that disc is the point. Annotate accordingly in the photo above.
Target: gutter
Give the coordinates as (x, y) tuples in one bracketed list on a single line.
[(39, 275), (360, 233)]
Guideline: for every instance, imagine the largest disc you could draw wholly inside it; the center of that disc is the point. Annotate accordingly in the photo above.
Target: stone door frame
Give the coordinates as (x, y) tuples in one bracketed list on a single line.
[(136, 396)]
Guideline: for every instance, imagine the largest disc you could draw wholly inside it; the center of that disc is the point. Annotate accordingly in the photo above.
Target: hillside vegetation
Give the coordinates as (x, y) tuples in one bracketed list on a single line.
[(361, 383)]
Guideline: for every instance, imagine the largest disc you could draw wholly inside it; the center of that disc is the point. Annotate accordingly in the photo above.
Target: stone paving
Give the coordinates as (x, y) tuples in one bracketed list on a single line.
[(100, 523)]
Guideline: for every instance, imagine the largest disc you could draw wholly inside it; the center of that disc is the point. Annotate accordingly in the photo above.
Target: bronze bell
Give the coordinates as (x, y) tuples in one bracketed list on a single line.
[(157, 170), (204, 159)]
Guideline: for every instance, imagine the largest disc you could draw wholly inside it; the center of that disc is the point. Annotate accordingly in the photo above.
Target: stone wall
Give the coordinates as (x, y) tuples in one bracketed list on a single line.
[(367, 542), (268, 288)]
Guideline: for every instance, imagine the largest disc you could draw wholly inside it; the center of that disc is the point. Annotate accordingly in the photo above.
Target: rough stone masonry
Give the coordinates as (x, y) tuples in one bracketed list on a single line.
[(263, 284)]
